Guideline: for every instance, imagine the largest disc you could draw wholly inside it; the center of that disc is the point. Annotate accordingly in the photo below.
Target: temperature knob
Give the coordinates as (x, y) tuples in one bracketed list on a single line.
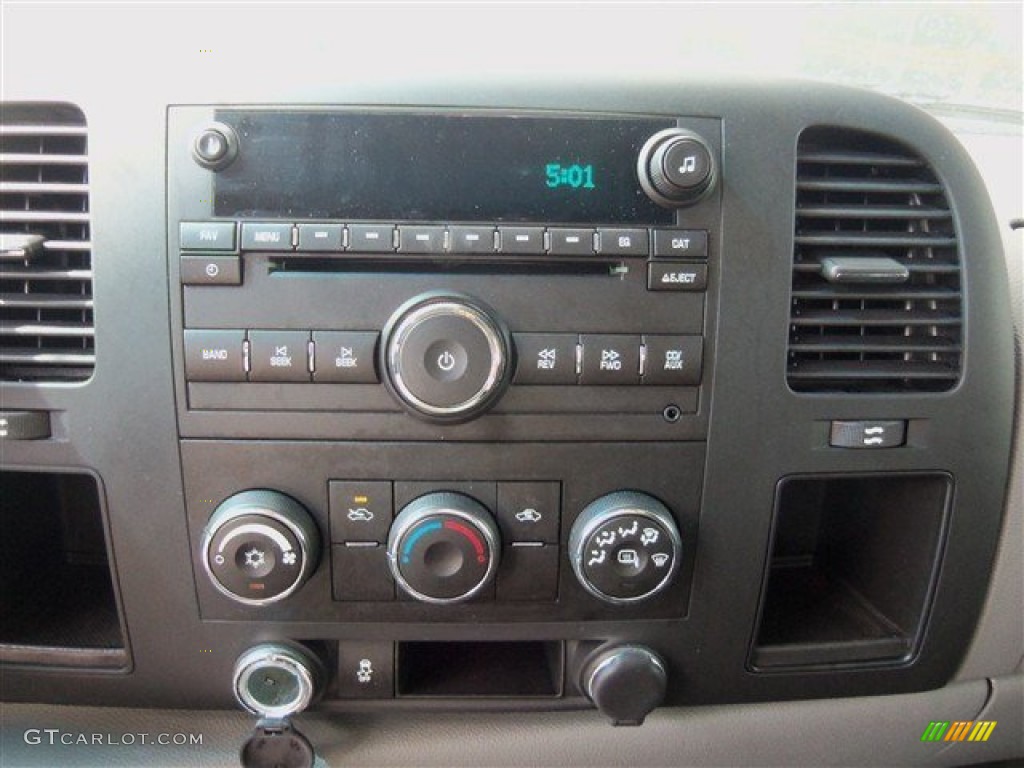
[(625, 547), (260, 546), (443, 548), (676, 168)]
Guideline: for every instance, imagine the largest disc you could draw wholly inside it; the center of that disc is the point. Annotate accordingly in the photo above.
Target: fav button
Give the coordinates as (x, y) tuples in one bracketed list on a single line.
[(207, 236)]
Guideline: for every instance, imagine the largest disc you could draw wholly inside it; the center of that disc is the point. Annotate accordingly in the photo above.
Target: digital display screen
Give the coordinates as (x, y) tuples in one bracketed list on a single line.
[(428, 167)]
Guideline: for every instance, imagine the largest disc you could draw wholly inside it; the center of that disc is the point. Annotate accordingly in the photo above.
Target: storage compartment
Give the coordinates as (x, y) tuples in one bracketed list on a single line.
[(56, 589), (526, 669), (852, 568)]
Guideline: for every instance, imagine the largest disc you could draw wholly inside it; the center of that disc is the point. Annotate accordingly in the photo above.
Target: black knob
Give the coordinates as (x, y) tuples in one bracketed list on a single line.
[(676, 168), (625, 547), (443, 548), (215, 146), (626, 682), (446, 357), (259, 547)]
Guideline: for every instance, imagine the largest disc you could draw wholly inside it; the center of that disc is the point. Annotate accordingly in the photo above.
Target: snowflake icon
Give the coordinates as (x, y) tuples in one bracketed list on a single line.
[(254, 558)]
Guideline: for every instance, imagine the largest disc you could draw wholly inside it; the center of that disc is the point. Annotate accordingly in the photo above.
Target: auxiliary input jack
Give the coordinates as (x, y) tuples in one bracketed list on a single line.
[(672, 413)]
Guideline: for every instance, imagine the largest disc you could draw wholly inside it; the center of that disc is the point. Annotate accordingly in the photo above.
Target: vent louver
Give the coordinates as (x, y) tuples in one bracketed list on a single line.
[(876, 291), (46, 309)]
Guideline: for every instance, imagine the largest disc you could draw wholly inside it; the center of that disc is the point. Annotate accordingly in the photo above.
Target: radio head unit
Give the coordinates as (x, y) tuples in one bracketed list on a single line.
[(414, 265)]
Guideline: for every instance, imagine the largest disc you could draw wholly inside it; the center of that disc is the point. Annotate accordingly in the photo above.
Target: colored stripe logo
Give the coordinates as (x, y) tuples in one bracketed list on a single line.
[(958, 730)]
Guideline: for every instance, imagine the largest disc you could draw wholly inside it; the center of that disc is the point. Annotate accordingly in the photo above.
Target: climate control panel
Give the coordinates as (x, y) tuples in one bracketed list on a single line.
[(559, 543)]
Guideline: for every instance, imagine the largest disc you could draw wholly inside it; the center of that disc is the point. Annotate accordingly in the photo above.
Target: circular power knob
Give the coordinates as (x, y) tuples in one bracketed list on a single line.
[(260, 546), (626, 682), (443, 548), (625, 547), (676, 168), (446, 357)]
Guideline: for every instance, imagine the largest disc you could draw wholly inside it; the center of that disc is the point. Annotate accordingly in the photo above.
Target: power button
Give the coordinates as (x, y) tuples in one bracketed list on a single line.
[(446, 357)]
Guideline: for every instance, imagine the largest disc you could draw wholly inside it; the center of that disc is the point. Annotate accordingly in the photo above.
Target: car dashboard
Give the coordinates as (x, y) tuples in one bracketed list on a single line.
[(454, 420)]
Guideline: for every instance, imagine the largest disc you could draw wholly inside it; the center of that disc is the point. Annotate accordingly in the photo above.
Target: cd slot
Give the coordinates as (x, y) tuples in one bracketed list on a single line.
[(491, 265)]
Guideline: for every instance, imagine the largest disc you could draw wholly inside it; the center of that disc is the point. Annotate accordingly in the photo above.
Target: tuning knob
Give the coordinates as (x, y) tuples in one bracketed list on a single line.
[(446, 357), (625, 547), (260, 546), (443, 548), (676, 168), (625, 682)]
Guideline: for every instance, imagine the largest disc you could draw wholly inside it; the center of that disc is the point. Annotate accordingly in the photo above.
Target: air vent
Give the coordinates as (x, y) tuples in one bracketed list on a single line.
[(46, 310), (876, 301)]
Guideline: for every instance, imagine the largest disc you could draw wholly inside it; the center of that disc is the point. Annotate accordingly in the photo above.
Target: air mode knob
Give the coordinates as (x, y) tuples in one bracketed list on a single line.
[(446, 357), (625, 547), (260, 546), (676, 168), (443, 548)]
